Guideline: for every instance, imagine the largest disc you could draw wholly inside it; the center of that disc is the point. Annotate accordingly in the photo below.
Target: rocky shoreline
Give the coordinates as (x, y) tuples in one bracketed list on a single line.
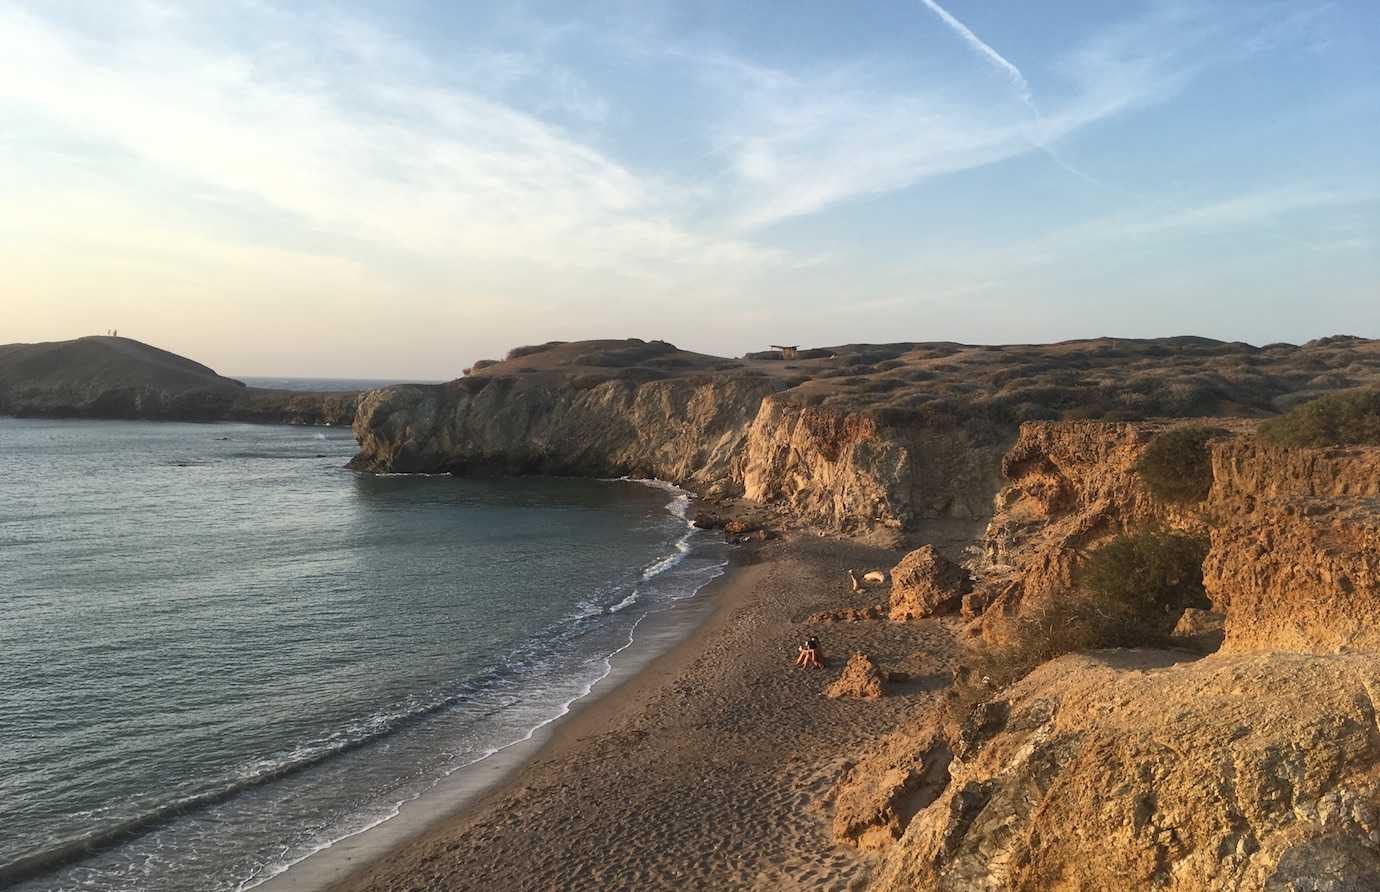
[(1148, 745), (1239, 753)]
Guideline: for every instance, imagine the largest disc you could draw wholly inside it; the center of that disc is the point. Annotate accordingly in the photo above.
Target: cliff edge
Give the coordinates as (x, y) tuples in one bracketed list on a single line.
[(856, 438)]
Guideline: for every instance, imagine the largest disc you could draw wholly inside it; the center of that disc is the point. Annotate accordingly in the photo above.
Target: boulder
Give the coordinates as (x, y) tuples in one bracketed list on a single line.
[(925, 583), (707, 520), (859, 680)]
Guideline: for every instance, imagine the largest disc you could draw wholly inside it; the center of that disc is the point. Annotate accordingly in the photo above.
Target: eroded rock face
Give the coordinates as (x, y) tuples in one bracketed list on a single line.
[(859, 680), (877, 798), (925, 583), (1124, 772), (683, 430), (857, 471), (1295, 557), (720, 432), (1069, 487)]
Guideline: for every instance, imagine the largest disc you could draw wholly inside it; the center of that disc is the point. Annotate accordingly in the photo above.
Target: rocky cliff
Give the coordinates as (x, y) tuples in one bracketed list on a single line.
[(1068, 486), (858, 470), (111, 377), (1254, 768), (853, 438), (720, 427), (687, 429), (1295, 558)]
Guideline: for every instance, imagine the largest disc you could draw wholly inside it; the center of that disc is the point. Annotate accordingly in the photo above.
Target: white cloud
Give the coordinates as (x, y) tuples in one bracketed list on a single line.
[(386, 159)]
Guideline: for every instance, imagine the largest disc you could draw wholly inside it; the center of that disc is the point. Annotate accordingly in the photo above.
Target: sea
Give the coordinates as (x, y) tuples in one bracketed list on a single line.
[(221, 651)]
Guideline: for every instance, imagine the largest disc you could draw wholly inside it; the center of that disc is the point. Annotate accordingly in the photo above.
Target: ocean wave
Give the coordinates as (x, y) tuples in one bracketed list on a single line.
[(627, 602), (367, 730), (352, 737), (268, 872), (587, 611)]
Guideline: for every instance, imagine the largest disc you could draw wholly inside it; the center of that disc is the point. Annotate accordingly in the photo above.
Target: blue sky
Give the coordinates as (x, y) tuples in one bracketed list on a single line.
[(400, 188)]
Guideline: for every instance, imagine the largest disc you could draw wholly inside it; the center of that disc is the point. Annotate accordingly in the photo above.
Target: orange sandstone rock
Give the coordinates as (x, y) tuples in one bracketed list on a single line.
[(859, 680)]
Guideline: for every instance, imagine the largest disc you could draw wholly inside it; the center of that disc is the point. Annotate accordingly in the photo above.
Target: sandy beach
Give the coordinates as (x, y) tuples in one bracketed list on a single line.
[(713, 767)]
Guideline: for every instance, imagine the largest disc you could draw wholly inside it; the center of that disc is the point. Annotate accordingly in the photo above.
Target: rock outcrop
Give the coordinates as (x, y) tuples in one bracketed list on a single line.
[(1118, 771), (859, 680), (1254, 768), (859, 470), (925, 583), (1069, 487), (1295, 557), (879, 795)]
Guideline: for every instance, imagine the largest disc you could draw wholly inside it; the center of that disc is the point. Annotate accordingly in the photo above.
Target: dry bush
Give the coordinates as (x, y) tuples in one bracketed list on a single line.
[(1176, 466), (1351, 418), (530, 349), (1077, 622), (1154, 573), (1131, 592)]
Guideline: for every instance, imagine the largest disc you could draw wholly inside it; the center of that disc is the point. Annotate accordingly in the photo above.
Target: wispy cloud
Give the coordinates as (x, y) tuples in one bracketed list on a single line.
[(800, 142), (400, 160), (1017, 81)]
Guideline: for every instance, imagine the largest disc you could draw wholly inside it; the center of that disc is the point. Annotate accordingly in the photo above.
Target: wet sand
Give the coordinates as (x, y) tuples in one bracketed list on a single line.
[(712, 767)]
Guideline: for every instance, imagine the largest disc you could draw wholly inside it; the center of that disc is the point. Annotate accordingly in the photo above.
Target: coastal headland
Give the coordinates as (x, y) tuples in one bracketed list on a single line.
[(114, 377), (1119, 631), (1027, 722)]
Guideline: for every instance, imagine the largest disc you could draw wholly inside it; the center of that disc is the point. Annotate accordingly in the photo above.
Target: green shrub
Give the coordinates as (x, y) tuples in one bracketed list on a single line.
[(1351, 418), (1176, 466), (1153, 573)]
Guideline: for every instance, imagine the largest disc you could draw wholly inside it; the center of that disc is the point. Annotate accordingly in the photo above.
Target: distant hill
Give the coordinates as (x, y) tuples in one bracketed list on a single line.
[(113, 377)]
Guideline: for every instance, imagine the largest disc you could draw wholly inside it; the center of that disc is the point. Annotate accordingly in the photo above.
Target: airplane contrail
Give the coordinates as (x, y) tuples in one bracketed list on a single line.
[(1000, 62), (1017, 80)]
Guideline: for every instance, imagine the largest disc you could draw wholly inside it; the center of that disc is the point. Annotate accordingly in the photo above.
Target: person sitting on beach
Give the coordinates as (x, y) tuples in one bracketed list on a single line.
[(810, 656)]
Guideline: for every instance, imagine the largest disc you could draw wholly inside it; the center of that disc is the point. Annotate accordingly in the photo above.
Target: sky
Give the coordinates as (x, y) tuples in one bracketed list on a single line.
[(396, 189)]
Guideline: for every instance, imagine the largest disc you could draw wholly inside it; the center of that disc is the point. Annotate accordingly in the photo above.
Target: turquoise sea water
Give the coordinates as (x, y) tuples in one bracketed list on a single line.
[(221, 651)]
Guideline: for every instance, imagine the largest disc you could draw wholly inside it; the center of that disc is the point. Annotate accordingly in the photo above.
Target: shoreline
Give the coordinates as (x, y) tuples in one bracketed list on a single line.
[(711, 765), (470, 786)]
